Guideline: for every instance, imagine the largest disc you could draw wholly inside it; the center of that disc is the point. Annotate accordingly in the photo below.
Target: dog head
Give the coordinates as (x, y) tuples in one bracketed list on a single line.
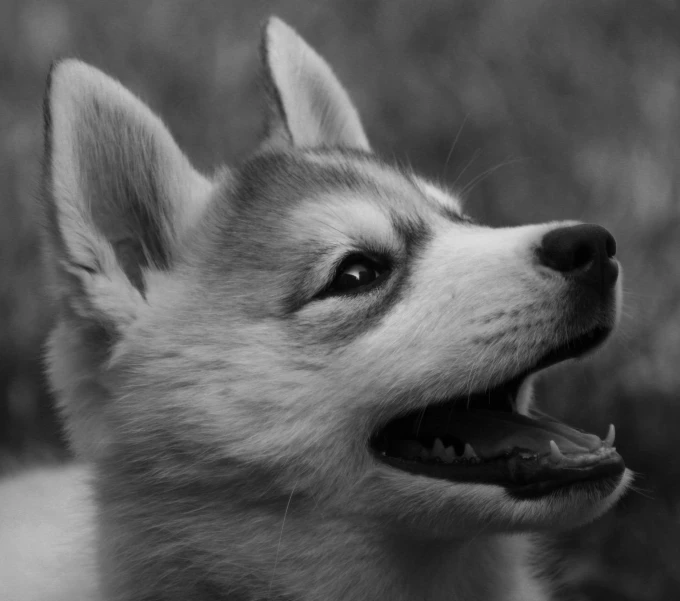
[(316, 320)]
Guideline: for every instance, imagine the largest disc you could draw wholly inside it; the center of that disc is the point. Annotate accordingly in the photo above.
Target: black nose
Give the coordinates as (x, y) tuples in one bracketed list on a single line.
[(582, 252)]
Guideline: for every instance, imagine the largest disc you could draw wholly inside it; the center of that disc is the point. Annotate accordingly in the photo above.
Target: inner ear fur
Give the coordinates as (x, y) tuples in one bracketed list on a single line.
[(118, 197), (118, 192)]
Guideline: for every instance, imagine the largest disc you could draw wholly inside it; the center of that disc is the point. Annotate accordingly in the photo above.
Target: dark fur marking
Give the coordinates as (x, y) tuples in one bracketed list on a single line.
[(368, 317), (268, 187)]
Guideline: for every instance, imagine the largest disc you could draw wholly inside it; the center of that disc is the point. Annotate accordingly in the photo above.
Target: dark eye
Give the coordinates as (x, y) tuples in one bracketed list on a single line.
[(356, 273)]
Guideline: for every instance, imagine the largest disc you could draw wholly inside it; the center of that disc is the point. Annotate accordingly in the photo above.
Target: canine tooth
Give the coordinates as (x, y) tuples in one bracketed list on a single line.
[(611, 435), (555, 452), (438, 448), (469, 452)]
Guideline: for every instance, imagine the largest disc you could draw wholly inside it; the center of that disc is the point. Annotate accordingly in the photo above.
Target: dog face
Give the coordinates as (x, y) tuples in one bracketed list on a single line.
[(315, 322)]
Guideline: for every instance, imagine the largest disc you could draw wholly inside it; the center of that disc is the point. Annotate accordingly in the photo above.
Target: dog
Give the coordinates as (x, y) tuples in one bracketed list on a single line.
[(305, 378)]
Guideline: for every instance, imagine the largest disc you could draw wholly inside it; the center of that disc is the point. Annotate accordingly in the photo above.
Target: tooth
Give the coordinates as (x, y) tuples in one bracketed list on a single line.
[(555, 452), (469, 452), (449, 454), (424, 454), (611, 435), (438, 448)]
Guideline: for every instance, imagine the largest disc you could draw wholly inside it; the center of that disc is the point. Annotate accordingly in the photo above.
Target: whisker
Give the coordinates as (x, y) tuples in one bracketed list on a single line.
[(420, 420), (482, 176), (475, 156), (278, 547), (455, 141)]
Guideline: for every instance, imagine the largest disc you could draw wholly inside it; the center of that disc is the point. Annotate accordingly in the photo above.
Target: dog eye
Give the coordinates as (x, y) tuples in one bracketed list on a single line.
[(355, 274)]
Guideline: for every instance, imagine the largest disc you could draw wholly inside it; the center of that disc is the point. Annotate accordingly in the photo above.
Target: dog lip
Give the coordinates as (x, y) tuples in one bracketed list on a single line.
[(521, 474), (545, 478)]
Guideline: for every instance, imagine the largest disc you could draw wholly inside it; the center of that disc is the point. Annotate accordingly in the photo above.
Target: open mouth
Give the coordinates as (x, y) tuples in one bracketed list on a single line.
[(481, 438)]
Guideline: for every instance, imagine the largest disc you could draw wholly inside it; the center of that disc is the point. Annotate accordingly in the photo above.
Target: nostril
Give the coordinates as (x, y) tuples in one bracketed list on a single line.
[(610, 246), (582, 255)]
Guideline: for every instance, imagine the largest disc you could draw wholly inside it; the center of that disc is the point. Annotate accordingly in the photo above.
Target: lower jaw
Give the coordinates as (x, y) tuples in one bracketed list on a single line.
[(524, 478), (529, 457)]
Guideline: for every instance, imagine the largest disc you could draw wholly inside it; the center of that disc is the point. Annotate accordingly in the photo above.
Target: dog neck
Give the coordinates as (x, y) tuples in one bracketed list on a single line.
[(195, 544)]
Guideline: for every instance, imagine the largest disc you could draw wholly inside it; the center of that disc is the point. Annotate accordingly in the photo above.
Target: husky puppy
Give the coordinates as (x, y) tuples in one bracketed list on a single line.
[(305, 378)]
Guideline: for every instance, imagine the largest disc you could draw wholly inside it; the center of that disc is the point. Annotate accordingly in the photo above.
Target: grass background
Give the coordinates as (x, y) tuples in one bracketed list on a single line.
[(557, 110)]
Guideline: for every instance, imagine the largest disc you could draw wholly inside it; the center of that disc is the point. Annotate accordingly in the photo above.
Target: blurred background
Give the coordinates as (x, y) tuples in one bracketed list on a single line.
[(533, 109)]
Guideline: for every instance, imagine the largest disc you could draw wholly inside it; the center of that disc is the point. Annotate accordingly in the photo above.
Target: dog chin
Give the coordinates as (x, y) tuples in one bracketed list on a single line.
[(436, 509)]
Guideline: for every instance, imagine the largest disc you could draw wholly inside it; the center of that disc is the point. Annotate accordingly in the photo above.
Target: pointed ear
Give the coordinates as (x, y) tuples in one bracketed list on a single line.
[(308, 107), (119, 197), (118, 192)]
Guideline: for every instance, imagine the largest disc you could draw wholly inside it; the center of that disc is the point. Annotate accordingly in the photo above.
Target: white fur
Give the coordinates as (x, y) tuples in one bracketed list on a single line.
[(447, 201), (47, 527)]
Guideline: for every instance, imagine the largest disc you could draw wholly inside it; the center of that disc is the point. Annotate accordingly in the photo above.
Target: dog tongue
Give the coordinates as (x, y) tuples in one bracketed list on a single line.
[(492, 434)]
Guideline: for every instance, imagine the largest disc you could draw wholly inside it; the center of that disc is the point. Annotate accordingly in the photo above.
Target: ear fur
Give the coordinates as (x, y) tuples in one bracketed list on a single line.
[(119, 197), (118, 193), (308, 107)]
